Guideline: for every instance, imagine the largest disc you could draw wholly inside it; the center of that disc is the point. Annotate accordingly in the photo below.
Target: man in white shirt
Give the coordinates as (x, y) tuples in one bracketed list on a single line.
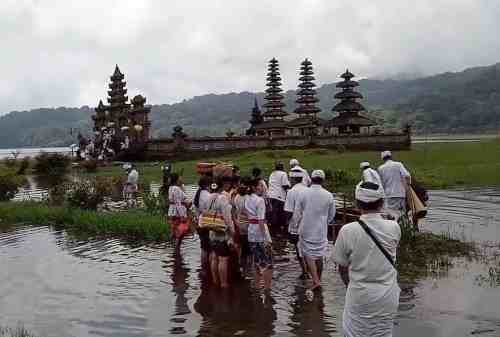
[(295, 165), (395, 180), (131, 186), (293, 214), (317, 207), (369, 174), (372, 296), (278, 185)]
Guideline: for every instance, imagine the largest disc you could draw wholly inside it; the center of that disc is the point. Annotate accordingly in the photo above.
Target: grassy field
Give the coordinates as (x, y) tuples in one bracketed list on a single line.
[(437, 165), (133, 224)]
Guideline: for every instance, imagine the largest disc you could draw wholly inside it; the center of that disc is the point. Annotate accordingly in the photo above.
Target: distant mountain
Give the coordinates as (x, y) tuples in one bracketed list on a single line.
[(451, 102)]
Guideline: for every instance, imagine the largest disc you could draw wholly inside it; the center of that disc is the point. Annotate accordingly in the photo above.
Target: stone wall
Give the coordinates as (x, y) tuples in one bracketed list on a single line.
[(186, 147)]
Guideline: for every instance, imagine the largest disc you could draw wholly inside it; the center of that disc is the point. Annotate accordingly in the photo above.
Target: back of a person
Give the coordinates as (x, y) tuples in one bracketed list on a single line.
[(277, 180), (292, 198), (240, 212), (316, 203), (367, 264), (392, 179), (133, 177), (203, 202), (255, 209), (370, 175)]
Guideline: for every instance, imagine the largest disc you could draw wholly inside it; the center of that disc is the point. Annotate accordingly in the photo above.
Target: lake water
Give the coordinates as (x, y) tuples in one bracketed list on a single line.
[(58, 285), (32, 152)]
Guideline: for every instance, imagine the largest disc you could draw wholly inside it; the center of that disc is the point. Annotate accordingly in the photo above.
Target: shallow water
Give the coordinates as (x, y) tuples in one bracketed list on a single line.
[(57, 285)]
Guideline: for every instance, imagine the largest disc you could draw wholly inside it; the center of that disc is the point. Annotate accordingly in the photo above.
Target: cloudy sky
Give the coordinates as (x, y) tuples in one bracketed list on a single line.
[(61, 53)]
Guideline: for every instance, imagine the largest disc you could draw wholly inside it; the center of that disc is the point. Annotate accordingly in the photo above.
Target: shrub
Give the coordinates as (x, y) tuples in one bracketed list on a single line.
[(90, 166), (89, 194), (23, 166), (54, 164), (340, 181), (9, 185)]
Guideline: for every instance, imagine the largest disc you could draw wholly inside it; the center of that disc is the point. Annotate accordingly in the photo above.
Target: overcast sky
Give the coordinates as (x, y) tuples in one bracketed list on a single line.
[(61, 52)]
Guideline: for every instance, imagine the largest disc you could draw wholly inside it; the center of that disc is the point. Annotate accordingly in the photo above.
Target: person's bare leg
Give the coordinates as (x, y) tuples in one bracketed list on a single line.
[(214, 268), (311, 264), (319, 266), (301, 263), (223, 266), (268, 278), (257, 278)]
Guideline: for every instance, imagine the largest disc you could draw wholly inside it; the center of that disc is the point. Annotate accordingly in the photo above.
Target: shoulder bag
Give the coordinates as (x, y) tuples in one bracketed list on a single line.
[(377, 243), (211, 219)]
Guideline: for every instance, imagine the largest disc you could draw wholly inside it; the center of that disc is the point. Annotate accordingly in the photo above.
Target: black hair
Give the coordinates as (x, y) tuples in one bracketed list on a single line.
[(297, 179), (256, 172), (236, 169), (279, 166), (174, 178), (245, 184), (203, 185), (317, 180)]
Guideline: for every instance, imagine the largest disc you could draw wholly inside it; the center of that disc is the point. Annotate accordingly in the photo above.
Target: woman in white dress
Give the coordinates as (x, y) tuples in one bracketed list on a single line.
[(178, 205)]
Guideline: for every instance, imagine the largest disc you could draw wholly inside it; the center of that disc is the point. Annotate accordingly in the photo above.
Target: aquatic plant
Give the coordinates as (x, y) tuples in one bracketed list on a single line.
[(9, 184), (134, 224)]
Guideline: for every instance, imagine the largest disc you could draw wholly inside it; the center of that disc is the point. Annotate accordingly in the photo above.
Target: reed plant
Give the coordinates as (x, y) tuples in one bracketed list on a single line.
[(132, 224)]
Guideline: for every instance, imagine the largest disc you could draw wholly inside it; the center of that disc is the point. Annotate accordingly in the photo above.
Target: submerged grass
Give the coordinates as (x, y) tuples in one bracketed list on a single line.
[(437, 165), (132, 224)]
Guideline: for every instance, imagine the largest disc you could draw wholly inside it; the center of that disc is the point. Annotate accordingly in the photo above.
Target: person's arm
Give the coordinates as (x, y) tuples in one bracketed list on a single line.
[(285, 183), (405, 174), (331, 212), (228, 216), (344, 274), (289, 206), (261, 216)]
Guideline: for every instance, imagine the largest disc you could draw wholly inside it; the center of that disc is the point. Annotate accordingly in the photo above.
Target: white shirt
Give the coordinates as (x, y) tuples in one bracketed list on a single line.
[(203, 203), (370, 175), (277, 180), (239, 211), (306, 179), (317, 207), (255, 207), (133, 177), (393, 174), (373, 293), (176, 199), (291, 203), (222, 206)]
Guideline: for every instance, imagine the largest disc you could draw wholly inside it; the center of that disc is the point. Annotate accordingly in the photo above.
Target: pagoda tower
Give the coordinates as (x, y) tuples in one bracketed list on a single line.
[(349, 120), (306, 92), (117, 99), (274, 106), (256, 118), (139, 118)]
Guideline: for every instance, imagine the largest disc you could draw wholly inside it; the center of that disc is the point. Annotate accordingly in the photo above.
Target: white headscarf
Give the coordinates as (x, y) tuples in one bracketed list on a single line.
[(368, 194)]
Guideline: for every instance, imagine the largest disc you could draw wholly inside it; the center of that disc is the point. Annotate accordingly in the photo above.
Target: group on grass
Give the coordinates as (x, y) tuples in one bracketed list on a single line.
[(252, 209)]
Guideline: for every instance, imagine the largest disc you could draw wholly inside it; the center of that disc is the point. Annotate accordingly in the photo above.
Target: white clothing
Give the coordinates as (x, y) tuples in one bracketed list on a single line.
[(203, 203), (277, 180), (255, 207), (317, 207), (372, 296), (133, 177), (393, 174), (306, 179), (372, 176), (239, 212), (263, 184), (219, 202), (176, 200), (291, 203)]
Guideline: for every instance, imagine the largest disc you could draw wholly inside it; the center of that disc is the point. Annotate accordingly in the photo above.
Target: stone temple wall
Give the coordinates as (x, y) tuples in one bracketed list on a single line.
[(185, 147)]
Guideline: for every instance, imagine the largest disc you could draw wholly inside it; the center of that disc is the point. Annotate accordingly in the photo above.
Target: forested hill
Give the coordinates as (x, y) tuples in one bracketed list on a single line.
[(450, 102)]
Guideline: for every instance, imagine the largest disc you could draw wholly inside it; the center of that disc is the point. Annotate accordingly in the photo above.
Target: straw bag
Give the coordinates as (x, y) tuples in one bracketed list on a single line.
[(212, 220)]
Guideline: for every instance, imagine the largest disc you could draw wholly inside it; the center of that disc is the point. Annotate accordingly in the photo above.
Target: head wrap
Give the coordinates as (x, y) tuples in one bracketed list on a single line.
[(365, 193), (364, 164), (385, 154), (318, 174), (296, 174), (294, 162), (127, 166)]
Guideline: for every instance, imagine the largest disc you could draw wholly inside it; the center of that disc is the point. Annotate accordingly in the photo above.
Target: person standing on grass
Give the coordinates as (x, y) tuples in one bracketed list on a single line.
[(369, 174), (259, 238), (278, 185), (201, 204), (369, 274), (395, 181), (293, 214), (131, 186), (317, 207), (178, 205), (295, 165), (220, 241)]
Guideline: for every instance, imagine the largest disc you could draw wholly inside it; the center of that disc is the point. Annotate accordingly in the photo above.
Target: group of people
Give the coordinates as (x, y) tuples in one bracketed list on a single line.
[(251, 208)]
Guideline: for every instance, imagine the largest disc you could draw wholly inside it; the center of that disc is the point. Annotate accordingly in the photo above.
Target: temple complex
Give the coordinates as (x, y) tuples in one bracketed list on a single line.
[(120, 126), (349, 120)]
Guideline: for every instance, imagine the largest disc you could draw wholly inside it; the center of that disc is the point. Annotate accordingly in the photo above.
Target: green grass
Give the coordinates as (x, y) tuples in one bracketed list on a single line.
[(437, 165), (133, 224)]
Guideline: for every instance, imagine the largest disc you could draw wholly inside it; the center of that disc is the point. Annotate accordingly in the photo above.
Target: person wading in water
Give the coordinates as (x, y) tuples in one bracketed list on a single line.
[(202, 203), (177, 210), (278, 185)]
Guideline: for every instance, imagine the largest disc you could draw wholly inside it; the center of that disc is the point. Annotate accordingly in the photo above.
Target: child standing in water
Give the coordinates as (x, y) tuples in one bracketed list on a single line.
[(258, 236)]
